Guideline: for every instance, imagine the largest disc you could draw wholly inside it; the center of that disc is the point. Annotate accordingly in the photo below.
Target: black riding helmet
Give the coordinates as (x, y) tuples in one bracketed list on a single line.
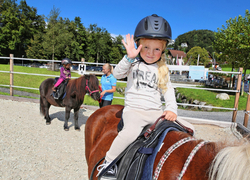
[(153, 26), (66, 61)]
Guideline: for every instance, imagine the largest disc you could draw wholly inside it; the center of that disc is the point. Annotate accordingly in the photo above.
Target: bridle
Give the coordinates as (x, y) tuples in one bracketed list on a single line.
[(87, 88)]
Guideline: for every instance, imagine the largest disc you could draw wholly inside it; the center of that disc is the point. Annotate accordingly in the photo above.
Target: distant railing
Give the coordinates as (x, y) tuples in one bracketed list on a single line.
[(175, 85)]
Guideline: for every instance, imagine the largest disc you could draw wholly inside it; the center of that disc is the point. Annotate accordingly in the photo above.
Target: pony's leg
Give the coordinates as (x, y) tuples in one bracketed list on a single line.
[(67, 115), (46, 110), (76, 112), (48, 119)]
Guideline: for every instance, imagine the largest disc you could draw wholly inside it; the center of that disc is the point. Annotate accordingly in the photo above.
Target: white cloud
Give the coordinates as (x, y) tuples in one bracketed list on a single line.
[(115, 35)]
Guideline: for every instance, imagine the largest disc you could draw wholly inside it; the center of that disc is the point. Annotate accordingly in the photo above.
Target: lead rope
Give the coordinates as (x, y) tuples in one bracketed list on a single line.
[(167, 154)]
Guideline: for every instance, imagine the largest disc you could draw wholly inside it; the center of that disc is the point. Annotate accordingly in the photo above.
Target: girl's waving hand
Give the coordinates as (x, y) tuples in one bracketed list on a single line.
[(132, 52)]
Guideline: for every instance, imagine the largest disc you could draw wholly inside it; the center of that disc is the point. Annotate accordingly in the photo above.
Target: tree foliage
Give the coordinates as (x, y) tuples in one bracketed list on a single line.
[(25, 33), (233, 41), (57, 37), (201, 38), (18, 25), (197, 53), (118, 50), (99, 44)]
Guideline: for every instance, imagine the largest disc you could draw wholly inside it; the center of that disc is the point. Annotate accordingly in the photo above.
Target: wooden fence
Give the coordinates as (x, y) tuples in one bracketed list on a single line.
[(234, 109)]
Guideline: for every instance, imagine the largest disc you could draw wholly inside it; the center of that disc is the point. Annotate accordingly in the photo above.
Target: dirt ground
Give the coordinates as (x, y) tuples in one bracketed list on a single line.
[(30, 149)]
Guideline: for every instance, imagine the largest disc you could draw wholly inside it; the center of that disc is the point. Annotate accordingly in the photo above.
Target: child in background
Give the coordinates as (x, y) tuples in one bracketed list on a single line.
[(147, 80), (64, 72)]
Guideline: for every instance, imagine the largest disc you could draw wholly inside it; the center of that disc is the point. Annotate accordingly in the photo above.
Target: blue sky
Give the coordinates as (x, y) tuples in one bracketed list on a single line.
[(121, 17)]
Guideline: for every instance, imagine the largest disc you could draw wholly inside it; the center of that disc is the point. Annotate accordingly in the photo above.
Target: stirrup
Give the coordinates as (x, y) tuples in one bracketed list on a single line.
[(104, 165)]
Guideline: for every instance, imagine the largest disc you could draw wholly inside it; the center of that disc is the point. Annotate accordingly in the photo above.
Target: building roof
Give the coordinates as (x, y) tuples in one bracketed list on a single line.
[(174, 53)]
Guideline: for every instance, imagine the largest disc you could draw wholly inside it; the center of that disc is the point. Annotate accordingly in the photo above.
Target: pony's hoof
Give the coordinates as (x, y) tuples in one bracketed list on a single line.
[(48, 123), (77, 129), (66, 129)]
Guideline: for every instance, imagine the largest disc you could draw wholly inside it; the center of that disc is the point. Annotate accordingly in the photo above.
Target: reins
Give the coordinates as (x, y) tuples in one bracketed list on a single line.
[(151, 129)]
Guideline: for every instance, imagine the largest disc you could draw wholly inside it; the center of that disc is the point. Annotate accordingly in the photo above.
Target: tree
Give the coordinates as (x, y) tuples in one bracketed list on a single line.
[(117, 51), (99, 44), (233, 41), (19, 23), (202, 38), (9, 27), (23, 32), (1, 6), (79, 41), (57, 38), (198, 53), (36, 50)]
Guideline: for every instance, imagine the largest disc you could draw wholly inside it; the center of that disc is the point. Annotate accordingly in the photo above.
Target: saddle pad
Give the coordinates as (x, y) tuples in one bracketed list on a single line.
[(148, 168), (133, 161)]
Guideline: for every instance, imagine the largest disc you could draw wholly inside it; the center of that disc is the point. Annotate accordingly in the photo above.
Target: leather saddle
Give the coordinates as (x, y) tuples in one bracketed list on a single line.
[(134, 157), (61, 90)]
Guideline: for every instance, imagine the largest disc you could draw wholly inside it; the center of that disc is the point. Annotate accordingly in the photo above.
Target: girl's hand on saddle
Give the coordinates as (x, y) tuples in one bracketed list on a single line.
[(130, 47), (169, 115)]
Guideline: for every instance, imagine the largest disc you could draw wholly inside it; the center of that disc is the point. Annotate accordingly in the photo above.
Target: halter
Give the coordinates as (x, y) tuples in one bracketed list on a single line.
[(87, 88)]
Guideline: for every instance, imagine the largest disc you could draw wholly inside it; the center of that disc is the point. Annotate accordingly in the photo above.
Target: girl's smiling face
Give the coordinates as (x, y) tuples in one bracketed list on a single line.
[(152, 49), (67, 66)]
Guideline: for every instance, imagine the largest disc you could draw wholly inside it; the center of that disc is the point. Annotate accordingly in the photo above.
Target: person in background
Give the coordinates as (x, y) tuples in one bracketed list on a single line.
[(64, 72), (108, 84)]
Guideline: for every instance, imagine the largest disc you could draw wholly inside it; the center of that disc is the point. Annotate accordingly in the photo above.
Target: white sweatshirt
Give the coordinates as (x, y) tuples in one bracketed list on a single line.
[(142, 91)]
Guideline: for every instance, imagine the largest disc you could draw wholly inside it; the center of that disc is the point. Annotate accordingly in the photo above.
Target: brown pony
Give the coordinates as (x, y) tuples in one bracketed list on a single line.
[(214, 160), (75, 92)]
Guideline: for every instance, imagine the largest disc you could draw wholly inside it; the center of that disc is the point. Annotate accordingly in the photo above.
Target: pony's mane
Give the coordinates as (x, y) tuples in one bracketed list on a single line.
[(80, 86), (232, 162)]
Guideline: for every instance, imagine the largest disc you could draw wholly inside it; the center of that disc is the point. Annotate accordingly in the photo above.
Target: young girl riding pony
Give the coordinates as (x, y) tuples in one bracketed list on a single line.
[(64, 72), (147, 81)]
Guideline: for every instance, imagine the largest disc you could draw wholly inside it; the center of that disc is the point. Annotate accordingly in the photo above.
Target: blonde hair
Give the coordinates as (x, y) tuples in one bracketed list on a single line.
[(109, 67), (163, 73)]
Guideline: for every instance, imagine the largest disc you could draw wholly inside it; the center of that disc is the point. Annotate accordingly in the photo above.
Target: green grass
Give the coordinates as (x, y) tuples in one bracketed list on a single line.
[(35, 81), (210, 98)]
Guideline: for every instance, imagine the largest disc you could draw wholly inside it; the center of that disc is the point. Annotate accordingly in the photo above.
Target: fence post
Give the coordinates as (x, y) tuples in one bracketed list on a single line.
[(237, 95), (11, 74), (247, 109)]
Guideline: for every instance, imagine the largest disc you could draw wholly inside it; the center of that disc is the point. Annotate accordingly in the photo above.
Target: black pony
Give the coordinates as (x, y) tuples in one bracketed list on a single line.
[(75, 92)]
